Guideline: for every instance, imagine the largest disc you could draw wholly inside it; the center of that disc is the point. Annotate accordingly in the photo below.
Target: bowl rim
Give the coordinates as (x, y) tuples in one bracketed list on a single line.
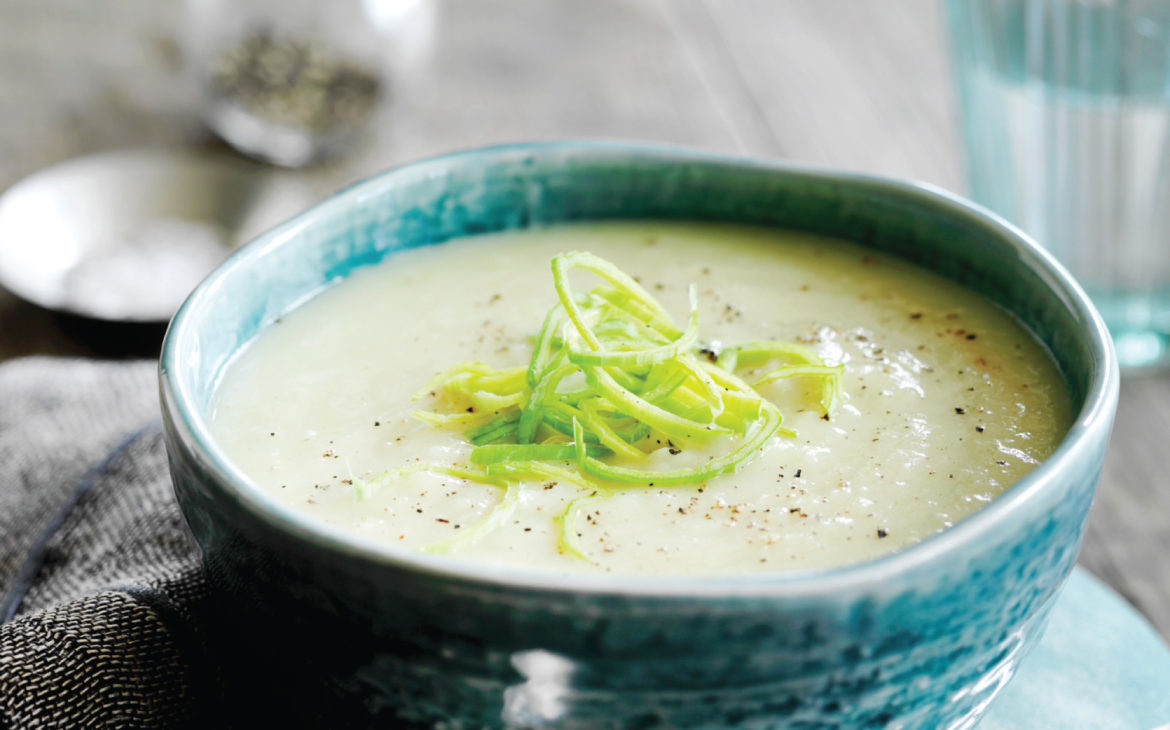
[(1091, 423)]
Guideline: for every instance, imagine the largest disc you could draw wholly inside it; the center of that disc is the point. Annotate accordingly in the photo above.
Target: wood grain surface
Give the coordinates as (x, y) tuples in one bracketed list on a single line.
[(862, 86)]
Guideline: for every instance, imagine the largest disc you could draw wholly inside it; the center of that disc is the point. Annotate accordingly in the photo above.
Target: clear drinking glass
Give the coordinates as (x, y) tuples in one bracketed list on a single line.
[(1065, 117)]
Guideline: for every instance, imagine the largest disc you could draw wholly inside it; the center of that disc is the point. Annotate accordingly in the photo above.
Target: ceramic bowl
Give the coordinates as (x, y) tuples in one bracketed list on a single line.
[(921, 638)]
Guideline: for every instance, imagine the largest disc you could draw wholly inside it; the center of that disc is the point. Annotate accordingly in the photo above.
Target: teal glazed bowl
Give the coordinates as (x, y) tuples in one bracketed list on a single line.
[(924, 637)]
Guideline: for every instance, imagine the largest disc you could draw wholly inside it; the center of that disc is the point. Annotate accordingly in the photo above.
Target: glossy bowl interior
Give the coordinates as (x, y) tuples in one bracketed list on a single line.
[(925, 636)]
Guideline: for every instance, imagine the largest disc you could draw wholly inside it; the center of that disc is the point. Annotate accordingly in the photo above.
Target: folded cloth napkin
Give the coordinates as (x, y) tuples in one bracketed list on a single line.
[(98, 578)]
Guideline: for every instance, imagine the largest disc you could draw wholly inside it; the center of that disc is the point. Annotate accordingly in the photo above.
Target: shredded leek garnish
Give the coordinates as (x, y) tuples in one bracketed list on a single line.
[(610, 380)]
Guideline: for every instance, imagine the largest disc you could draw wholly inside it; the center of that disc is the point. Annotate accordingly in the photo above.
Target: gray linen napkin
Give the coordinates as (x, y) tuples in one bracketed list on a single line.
[(97, 573)]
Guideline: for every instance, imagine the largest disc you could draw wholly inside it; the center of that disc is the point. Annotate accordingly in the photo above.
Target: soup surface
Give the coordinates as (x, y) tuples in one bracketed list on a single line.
[(945, 401)]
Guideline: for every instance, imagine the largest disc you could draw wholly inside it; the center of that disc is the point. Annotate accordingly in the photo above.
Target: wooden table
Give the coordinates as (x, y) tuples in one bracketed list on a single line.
[(863, 86)]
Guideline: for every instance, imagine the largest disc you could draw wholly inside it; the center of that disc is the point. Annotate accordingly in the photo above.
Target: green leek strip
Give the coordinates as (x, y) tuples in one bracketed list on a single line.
[(707, 389), (442, 378), (635, 354), (542, 393), (648, 356), (568, 540), (610, 273), (639, 304), (494, 519), (573, 397), (673, 426), (830, 383), (483, 400), (768, 349), (663, 381), (627, 378), (726, 379), (619, 332), (627, 429), (831, 391), (453, 419), (651, 322), (558, 417), (655, 375), (682, 398), (593, 420), (633, 433), (757, 434), (537, 470), (741, 410), (632, 306), (497, 453), (616, 311), (795, 370), (498, 431), (809, 363), (485, 377), (542, 348), (507, 380), (700, 412), (698, 399), (616, 329), (505, 434), (626, 288), (744, 405), (501, 421), (366, 488)]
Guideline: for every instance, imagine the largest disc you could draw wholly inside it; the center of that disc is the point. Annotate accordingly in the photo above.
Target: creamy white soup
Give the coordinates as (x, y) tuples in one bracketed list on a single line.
[(944, 401)]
